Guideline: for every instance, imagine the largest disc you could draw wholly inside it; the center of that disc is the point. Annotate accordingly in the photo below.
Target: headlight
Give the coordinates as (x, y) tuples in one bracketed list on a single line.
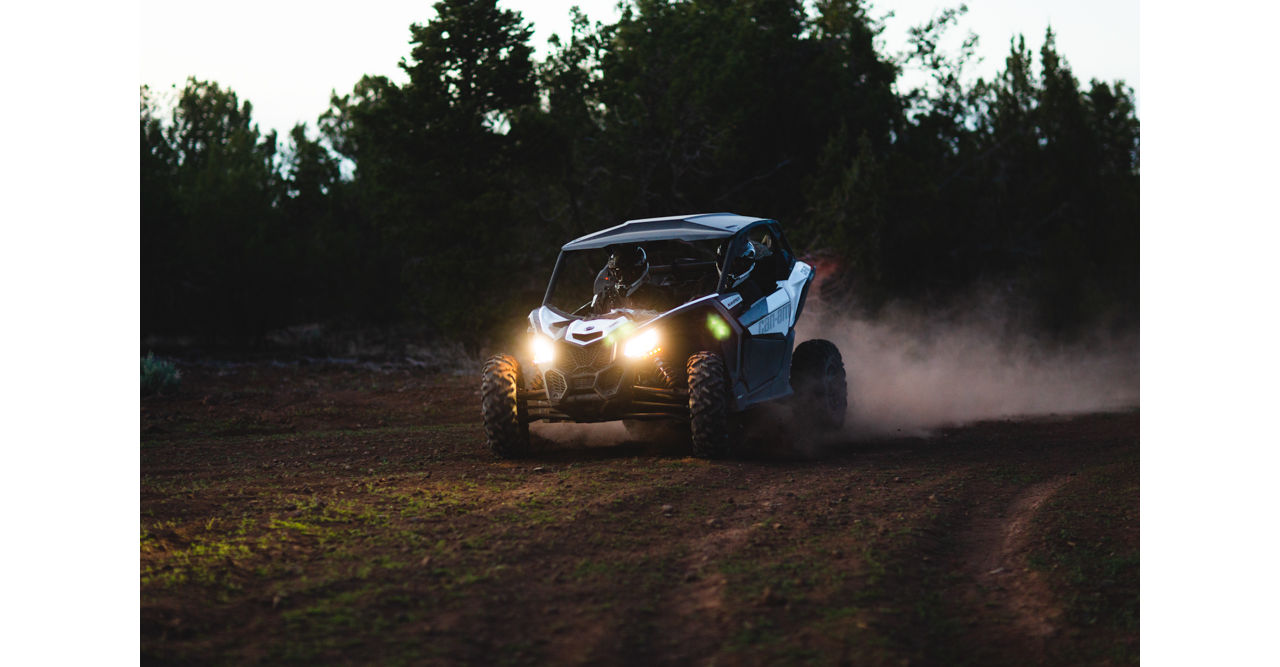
[(643, 345), (544, 351)]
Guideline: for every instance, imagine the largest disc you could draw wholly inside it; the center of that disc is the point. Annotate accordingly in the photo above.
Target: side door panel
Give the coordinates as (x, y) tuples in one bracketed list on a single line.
[(769, 338)]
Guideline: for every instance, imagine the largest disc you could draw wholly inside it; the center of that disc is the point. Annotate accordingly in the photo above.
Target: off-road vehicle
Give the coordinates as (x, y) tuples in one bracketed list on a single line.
[(677, 323)]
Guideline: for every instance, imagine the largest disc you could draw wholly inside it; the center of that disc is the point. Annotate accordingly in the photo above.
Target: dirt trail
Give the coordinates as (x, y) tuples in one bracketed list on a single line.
[(700, 601), (994, 552)]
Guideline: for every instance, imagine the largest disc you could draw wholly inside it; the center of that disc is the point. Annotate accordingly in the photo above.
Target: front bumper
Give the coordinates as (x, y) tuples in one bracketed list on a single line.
[(628, 402), (595, 383)]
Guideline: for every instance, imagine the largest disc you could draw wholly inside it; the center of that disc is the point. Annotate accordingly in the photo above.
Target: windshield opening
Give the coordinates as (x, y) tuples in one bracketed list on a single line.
[(652, 276)]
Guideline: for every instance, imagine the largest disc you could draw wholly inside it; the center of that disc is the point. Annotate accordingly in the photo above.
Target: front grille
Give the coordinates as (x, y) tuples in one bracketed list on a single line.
[(583, 370), (556, 386), (607, 382), (588, 357)]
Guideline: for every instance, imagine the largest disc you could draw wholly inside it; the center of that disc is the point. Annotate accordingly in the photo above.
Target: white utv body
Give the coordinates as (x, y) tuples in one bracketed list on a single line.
[(702, 329)]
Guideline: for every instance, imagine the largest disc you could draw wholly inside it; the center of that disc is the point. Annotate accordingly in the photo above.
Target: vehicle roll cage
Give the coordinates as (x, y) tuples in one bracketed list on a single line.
[(737, 229)]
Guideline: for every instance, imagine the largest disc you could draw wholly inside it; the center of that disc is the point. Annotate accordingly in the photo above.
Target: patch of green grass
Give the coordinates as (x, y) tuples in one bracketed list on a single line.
[(1089, 551), (223, 552), (159, 376), (203, 562), (333, 621)]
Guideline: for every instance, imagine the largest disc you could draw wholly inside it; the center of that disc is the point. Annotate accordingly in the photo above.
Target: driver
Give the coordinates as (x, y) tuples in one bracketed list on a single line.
[(741, 268), (625, 272)]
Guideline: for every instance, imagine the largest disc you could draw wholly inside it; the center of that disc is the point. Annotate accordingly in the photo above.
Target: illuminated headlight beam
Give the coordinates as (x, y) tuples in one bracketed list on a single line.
[(544, 351), (642, 345)]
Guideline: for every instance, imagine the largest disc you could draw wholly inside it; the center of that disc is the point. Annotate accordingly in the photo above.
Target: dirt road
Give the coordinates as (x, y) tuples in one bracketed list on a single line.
[(340, 514)]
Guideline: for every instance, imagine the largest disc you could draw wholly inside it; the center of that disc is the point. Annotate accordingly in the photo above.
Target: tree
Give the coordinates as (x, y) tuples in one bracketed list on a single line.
[(560, 141), (209, 225), (847, 216), (161, 224), (470, 65), (433, 176), (418, 201)]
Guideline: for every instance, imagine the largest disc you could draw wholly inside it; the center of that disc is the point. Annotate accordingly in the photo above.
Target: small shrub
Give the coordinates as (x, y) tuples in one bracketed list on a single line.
[(158, 376)]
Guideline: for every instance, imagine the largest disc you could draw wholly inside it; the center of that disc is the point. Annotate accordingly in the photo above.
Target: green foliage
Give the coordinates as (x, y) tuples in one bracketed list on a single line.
[(210, 232), (846, 215), (159, 376), (444, 199), (435, 174), (1087, 549)]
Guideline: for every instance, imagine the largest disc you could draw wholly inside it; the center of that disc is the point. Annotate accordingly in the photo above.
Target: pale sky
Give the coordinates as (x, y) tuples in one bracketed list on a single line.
[(286, 56)]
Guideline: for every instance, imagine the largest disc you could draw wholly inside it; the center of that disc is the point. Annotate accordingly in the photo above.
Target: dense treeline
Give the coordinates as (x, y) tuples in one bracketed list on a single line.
[(443, 200)]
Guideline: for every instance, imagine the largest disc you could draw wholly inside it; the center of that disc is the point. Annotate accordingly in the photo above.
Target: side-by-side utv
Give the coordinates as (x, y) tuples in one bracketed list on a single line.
[(681, 323)]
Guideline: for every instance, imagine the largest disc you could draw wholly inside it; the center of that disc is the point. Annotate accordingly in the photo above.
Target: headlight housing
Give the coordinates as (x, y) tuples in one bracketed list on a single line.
[(544, 350), (643, 344)]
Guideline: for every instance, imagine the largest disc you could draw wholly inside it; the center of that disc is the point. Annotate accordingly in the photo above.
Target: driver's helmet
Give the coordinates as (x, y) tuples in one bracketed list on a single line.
[(626, 271), (740, 267), (630, 264)]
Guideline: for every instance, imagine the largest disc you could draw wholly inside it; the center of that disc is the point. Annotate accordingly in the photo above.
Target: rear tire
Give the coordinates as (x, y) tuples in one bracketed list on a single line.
[(713, 426), (506, 417), (818, 379)]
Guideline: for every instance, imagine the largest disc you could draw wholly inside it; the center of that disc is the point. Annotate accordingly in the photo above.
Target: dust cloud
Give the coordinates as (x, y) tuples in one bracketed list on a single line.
[(580, 435), (910, 371)]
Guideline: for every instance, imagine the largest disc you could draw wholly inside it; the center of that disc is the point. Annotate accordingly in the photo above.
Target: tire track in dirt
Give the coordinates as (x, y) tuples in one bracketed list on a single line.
[(697, 618), (993, 549), (589, 637)]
